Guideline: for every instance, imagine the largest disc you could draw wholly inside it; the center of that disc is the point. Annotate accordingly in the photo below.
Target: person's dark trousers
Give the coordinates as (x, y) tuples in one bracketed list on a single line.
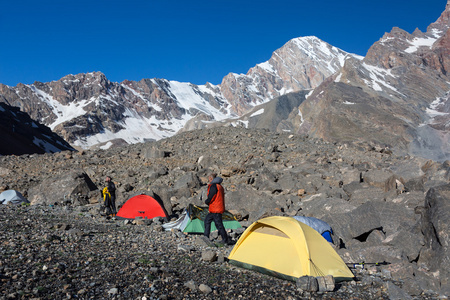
[(108, 205), (113, 205), (217, 218)]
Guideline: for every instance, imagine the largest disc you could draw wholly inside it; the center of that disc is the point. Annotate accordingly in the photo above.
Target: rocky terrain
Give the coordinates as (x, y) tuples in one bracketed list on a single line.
[(20, 134), (383, 206)]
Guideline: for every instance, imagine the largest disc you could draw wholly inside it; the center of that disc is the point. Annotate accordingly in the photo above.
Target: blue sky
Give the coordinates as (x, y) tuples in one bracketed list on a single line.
[(188, 41)]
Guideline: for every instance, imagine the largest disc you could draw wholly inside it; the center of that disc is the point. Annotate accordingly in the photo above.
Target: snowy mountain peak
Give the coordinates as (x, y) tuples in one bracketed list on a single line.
[(302, 63), (88, 109), (442, 24)]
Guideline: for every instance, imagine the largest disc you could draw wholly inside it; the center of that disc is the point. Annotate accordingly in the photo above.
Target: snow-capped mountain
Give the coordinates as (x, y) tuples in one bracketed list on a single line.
[(398, 95), (88, 109), (301, 64)]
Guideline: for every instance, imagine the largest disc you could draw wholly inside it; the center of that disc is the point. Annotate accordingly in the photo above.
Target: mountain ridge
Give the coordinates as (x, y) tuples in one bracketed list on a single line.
[(88, 109), (396, 96)]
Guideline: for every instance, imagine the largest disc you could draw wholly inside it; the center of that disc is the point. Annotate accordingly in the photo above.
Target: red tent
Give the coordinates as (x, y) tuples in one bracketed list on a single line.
[(142, 206)]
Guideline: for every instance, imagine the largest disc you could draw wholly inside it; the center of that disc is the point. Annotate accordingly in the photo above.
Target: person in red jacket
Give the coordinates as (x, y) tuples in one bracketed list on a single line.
[(216, 203)]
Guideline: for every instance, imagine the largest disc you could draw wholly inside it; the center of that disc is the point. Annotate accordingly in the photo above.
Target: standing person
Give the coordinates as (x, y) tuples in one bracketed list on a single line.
[(109, 195), (216, 202)]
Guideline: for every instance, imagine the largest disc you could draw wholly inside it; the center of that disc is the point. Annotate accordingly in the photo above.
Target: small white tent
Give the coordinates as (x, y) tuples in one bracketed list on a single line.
[(12, 196)]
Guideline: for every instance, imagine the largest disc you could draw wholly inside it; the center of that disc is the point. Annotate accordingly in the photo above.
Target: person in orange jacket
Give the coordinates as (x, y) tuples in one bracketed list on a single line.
[(216, 202)]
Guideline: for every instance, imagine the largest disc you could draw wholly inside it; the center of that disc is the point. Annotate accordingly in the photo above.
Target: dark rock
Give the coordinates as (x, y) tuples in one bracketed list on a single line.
[(435, 227), (307, 283), (72, 186)]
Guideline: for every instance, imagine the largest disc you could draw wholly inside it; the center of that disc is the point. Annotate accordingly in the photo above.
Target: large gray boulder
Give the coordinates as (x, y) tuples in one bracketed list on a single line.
[(74, 186), (319, 205), (356, 224), (436, 230), (378, 178), (245, 198), (188, 180)]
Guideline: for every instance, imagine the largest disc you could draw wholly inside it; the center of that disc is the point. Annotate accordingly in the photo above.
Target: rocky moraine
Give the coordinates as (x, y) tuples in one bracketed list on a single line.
[(382, 206)]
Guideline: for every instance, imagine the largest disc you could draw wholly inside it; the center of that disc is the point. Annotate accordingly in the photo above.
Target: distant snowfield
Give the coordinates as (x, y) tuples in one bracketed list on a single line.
[(379, 77), (137, 129), (416, 43), (49, 148), (63, 113), (258, 112), (187, 98), (433, 112)]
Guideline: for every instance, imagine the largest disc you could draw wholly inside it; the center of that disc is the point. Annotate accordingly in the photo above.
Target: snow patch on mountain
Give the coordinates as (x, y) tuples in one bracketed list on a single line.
[(48, 147), (63, 112), (188, 98), (416, 43), (258, 112), (379, 78), (435, 109)]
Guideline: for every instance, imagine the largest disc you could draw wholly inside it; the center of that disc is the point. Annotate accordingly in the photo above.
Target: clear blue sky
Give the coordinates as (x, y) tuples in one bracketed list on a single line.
[(188, 41)]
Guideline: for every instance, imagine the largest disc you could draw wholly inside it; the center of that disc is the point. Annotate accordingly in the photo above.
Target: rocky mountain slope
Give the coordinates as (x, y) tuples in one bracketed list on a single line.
[(398, 95), (20, 134), (88, 109), (381, 206)]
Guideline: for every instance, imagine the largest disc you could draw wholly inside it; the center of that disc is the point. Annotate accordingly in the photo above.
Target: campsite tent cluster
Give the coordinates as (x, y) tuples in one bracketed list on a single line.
[(284, 247)]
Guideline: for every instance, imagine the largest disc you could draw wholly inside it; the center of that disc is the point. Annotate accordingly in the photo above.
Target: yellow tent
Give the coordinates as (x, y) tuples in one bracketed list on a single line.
[(286, 248)]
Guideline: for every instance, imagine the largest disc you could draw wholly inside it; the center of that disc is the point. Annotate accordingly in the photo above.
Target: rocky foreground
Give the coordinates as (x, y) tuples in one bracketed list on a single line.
[(383, 206), (66, 253)]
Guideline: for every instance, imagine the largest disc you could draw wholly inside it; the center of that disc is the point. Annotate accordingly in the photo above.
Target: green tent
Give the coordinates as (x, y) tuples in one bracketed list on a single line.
[(192, 220)]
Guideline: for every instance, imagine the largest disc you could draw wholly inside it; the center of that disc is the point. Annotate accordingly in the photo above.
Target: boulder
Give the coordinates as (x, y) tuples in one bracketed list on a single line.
[(319, 205), (394, 217), (356, 224), (245, 198), (188, 180), (408, 242), (307, 283), (377, 178), (396, 293), (75, 187), (436, 230), (162, 194), (415, 184), (408, 169), (358, 253), (367, 194), (350, 175), (151, 153)]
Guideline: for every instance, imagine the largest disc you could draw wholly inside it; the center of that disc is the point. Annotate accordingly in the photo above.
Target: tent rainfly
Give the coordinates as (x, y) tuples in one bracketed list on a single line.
[(192, 220), (286, 248), (12, 196), (142, 206), (320, 226)]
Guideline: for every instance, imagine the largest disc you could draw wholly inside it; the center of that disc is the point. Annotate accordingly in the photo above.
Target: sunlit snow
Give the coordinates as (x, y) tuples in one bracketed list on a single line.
[(46, 146), (258, 112), (187, 99), (419, 42), (379, 77), (301, 117), (63, 112)]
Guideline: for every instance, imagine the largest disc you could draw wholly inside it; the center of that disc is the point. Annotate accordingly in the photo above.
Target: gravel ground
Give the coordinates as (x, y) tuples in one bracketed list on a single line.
[(61, 253)]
